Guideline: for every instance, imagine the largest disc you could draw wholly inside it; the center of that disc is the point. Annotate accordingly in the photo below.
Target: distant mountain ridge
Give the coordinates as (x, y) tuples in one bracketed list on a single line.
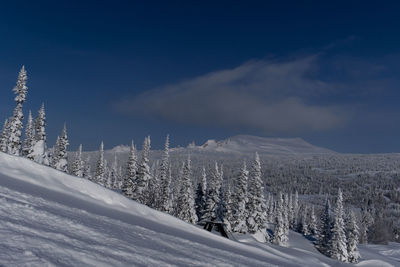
[(244, 144), (247, 144)]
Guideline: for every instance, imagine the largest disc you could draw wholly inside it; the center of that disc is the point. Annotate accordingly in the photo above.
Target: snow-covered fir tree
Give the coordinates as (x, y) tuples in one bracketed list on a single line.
[(239, 199), (366, 222), (211, 212), (172, 192), (352, 234), (201, 194), (313, 225), (130, 174), (87, 172), (286, 205), (29, 142), (303, 225), (114, 177), (289, 203), (256, 219), (14, 132), (153, 190), (39, 153), (339, 241), (164, 178), (228, 208), (185, 201), (4, 137), (271, 209), (141, 183), (295, 211), (326, 230), (78, 165), (106, 178), (60, 156), (280, 236), (100, 172)]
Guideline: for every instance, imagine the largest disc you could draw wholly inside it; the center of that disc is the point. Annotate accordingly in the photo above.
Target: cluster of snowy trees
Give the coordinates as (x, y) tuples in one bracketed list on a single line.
[(33, 146), (239, 200)]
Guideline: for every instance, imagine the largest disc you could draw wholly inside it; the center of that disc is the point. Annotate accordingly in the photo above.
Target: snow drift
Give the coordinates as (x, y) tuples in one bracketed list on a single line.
[(50, 218)]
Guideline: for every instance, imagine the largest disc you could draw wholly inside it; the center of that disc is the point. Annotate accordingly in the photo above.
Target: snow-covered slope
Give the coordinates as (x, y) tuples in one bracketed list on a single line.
[(49, 218)]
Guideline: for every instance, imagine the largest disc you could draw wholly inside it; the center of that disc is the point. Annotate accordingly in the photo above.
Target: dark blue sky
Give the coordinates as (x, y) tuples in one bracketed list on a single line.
[(198, 70)]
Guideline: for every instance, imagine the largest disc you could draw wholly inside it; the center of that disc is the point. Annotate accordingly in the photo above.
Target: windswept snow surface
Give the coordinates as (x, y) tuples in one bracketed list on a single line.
[(49, 218)]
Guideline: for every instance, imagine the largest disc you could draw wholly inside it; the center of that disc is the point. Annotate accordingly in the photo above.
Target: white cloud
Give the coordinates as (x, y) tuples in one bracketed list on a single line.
[(275, 97)]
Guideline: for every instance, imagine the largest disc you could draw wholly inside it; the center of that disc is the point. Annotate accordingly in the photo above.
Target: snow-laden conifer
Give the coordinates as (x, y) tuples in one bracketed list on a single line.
[(165, 182), (60, 156), (100, 172), (39, 153), (325, 236), (286, 214), (14, 142), (280, 237), (201, 194), (256, 219), (4, 137), (29, 142), (352, 234), (239, 198), (313, 225), (211, 212), (130, 174), (153, 190), (114, 174), (339, 241), (87, 170), (185, 201), (141, 183), (295, 211), (228, 208), (78, 165), (303, 225)]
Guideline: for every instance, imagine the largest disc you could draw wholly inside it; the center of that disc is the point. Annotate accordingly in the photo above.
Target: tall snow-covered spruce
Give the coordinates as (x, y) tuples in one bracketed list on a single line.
[(324, 241), (141, 183), (256, 219), (339, 241), (100, 172), (39, 153), (212, 209), (280, 233), (4, 136), (201, 194), (78, 166), (352, 234), (29, 142), (165, 181), (15, 122), (239, 197), (60, 156), (130, 174), (185, 200)]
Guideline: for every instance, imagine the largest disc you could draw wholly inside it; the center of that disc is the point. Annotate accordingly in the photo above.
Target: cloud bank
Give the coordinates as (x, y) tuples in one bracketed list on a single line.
[(274, 97)]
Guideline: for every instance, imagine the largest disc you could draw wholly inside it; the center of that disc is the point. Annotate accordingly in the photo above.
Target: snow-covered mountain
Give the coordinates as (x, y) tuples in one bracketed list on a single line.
[(237, 146), (49, 218), (244, 144)]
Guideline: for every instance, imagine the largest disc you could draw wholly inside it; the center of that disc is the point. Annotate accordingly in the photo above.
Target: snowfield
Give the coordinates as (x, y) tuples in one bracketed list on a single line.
[(49, 218)]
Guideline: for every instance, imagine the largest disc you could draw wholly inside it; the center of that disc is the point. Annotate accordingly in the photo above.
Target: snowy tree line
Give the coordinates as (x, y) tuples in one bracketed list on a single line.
[(242, 202)]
